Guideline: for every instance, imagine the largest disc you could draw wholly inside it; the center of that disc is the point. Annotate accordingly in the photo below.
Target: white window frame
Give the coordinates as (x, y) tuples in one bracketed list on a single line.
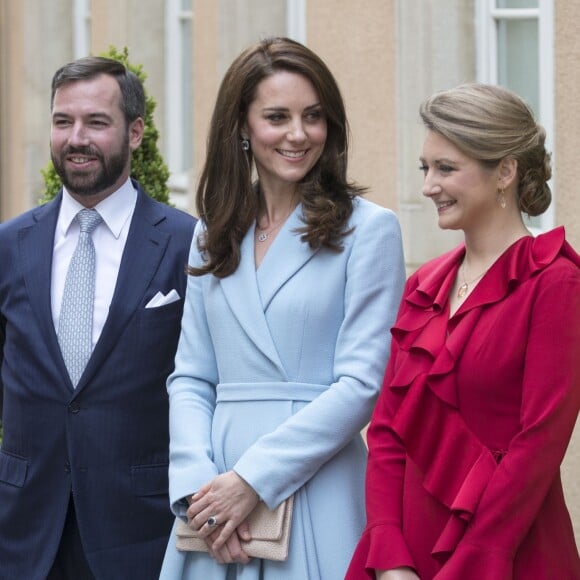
[(81, 28), (487, 16), (296, 20), (180, 177)]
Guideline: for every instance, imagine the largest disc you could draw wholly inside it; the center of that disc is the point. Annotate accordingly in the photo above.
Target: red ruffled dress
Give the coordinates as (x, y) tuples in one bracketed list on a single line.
[(473, 421)]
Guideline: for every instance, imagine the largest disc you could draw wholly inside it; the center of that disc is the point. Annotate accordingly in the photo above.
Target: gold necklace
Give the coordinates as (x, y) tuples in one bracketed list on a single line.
[(464, 288)]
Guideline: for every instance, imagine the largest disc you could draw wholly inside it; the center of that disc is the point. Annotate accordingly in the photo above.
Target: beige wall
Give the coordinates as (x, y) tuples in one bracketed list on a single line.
[(567, 146), (435, 52), (206, 75), (244, 22), (567, 116), (11, 114), (25, 70), (359, 46), (121, 23)]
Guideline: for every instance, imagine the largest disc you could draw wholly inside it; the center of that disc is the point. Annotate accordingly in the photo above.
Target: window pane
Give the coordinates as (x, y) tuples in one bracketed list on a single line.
[(517, 3), (518, 58), (518, 66)]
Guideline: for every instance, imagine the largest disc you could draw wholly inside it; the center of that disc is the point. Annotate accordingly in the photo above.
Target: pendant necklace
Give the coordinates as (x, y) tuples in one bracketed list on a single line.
[(464, 288), (264, 235)]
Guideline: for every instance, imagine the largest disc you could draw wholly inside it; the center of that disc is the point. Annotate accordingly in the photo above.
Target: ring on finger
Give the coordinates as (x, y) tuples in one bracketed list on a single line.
[(212, 521)]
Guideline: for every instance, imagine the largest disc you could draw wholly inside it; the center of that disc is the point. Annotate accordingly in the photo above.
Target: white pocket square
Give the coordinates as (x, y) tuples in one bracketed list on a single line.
[(161, 299)]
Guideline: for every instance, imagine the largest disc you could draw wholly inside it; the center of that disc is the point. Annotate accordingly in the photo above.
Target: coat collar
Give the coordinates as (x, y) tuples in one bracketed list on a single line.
[(284, 258), (249, 292)]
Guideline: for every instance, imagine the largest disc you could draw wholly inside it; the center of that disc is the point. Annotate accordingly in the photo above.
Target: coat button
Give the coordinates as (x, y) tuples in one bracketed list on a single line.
[(74, 407), (67, 467)]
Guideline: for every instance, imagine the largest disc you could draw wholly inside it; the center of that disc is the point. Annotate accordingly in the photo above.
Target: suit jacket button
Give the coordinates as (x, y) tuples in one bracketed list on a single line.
[(74, 407), (67, 467)]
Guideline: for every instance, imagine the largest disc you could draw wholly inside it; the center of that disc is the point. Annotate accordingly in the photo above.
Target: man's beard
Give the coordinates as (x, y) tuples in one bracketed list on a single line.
[(85, 183)]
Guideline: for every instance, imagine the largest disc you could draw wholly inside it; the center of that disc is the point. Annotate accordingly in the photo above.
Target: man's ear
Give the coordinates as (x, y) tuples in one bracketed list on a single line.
[(136, 129)]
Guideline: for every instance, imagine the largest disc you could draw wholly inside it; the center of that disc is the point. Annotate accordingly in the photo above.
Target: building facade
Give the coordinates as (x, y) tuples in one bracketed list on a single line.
[(387, 55)]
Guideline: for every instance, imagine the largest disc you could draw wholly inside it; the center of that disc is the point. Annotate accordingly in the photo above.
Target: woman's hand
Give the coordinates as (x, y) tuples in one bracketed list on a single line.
[(403, 573), (226, 501), (232, 551)]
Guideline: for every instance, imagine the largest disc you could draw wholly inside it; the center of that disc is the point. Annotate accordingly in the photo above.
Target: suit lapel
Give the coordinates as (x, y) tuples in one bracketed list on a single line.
[(36, 246), (144, 249)]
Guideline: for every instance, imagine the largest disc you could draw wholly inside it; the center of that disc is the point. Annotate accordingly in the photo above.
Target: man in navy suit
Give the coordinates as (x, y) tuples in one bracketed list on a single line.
[(83, 462)]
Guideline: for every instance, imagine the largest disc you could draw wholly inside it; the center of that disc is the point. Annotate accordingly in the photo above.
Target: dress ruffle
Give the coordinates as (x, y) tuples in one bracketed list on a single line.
[(456, 466), (371, 548)]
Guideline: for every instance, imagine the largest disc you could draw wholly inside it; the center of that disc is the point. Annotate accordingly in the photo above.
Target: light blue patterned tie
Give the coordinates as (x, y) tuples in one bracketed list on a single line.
[(75, 327)]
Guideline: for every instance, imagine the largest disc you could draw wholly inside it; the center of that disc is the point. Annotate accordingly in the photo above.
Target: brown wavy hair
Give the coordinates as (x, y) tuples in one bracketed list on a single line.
[(489, 123), (228, 201)]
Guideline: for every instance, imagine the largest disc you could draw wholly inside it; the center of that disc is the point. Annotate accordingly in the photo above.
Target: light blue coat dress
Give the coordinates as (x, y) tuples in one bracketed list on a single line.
[(276, 373)]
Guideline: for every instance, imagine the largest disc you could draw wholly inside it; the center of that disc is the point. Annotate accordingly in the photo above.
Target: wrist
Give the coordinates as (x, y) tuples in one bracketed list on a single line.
[(246, 485)]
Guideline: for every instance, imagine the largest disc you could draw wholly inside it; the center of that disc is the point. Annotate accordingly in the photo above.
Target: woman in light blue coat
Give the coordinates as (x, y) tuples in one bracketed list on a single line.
[(295, 282)]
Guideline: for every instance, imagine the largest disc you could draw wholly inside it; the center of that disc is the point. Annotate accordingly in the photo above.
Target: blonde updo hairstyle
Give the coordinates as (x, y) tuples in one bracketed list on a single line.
[(489, 123)]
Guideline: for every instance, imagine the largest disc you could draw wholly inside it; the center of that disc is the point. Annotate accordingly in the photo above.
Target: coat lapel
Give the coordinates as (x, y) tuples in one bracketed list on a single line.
[(36, 246), (249, 292), (285, 257), (144, 249), (241, 293)]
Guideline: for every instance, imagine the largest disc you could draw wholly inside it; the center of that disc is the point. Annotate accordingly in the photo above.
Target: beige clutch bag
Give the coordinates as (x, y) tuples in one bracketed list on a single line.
[(270, 533)]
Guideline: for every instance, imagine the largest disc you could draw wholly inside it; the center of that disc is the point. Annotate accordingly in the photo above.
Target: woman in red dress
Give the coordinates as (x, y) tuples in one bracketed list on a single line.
[(482, 388)]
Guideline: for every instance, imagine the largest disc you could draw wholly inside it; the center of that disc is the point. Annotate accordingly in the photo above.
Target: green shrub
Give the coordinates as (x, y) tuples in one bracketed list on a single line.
[(147, 165)]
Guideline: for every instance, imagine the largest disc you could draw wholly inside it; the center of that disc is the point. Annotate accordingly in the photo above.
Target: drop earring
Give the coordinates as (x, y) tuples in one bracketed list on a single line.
[(501, 198), (245, 145)]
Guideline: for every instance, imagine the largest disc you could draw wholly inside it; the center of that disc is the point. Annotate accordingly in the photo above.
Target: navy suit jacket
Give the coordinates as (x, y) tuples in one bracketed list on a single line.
[(106, 441)]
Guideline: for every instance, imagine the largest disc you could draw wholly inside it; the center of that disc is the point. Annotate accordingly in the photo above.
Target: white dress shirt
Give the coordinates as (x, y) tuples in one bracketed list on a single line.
[(109, 239)]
